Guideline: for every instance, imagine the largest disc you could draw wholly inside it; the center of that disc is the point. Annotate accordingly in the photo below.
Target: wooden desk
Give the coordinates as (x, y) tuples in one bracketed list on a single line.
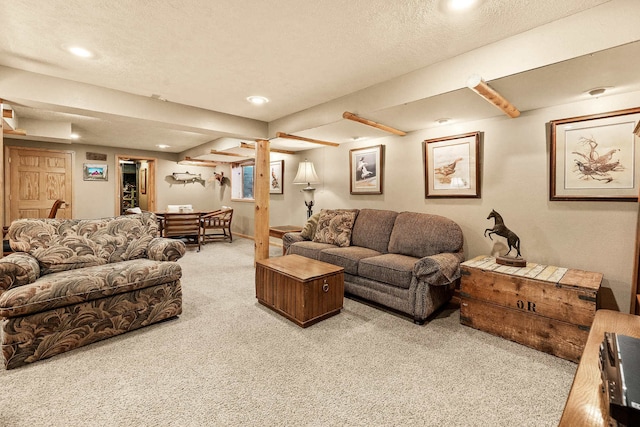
[(280, 230), (584, 405)]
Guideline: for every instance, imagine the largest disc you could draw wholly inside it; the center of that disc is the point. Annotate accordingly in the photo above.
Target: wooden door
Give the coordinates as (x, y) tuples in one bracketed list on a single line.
[(37, 178)]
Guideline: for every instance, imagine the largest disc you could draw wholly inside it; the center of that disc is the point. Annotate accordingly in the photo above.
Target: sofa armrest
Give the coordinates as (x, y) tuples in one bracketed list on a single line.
[(440, 269), (164, 249), (290, 238), (17, 269)]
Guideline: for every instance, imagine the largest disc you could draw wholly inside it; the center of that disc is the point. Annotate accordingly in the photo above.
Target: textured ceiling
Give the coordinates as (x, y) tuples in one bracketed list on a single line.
[(212, 54)]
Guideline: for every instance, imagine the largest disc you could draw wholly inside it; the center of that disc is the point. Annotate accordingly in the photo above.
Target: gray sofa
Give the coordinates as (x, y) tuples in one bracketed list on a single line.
[(406, 261), (73, 282)]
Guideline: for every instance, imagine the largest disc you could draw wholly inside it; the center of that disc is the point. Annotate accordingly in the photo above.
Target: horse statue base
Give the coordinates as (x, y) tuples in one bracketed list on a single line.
[(511, 261)]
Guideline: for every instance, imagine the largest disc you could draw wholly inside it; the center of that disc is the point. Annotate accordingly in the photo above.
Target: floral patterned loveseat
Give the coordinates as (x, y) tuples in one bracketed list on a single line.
[(73, 282)]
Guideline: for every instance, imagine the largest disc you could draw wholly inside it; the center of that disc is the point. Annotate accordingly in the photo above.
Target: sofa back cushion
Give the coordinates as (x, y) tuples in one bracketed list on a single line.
[(66, 244), (419, 235), (335, 226), (372, 229)]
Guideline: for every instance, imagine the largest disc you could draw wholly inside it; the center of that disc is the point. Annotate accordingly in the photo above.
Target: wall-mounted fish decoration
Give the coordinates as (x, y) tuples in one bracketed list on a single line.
[(187, 177)]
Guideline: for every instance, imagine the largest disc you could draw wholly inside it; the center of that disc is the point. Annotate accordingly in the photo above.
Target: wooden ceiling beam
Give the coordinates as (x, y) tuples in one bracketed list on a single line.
[(302, 138), (350, 116), (201, 162), (275, 150), (8, 131), (224, 153)]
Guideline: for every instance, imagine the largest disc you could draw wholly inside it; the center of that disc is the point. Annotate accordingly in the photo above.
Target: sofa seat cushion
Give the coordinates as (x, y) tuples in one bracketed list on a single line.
[(392, 269), (347, 258), (309, 249), (90, 283)]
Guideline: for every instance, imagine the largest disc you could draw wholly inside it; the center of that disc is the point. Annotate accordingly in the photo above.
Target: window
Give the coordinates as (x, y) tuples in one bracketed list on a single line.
[(242, 177)]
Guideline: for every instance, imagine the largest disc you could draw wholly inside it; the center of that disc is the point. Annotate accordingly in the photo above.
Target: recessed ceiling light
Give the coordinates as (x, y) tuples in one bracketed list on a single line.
[(80, 51), (257, 100), (162, 146), (74, 136), (460, 5)]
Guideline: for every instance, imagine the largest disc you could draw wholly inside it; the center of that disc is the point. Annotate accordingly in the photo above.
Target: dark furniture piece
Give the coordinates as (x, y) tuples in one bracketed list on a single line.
[(303, 290)]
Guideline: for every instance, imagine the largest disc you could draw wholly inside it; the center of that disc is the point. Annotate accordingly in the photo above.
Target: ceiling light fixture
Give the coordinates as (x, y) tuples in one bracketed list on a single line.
[(257, 100), (443, 121), (460, 5), (74, 136), (162, 146), (597, 91), (80, 51)]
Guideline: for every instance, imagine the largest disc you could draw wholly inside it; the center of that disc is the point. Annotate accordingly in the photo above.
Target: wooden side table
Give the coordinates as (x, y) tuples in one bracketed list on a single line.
[(585, 405), (280, 230)]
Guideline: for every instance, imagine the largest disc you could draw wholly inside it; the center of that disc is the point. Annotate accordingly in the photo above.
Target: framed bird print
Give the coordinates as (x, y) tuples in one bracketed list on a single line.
[(595, 157), (452, 166), (366, 166), (276, 172)]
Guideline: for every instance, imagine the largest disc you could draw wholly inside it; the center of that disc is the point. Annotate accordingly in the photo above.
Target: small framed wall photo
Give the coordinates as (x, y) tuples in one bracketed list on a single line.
[(452, 166), (91, 172), (276, 174), (595, 157), (366, 167)]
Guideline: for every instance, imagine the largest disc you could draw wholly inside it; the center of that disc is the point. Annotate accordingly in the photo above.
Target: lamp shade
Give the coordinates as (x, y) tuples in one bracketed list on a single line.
[(306, 174)]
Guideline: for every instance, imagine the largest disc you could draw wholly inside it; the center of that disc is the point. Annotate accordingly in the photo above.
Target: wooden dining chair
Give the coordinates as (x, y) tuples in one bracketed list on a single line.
[(185, 226), (216, 225), (55, 207)]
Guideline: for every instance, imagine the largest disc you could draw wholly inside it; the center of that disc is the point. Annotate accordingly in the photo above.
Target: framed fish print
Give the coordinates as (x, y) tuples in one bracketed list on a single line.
[(452, 166), (595, 157)]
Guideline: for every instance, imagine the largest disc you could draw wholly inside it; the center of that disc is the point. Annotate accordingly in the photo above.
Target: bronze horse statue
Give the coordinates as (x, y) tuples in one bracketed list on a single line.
[(501, 230)]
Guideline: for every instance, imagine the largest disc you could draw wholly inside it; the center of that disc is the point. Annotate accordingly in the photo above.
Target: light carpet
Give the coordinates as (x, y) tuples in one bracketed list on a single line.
[(229, 361)]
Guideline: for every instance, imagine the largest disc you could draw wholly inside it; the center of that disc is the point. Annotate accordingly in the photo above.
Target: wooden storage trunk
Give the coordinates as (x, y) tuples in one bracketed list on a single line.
[(544, 307), (301, 289)]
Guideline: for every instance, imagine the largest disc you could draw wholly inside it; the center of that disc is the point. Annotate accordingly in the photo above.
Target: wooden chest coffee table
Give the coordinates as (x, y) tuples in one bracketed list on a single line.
[(541, 306), (301, 289)]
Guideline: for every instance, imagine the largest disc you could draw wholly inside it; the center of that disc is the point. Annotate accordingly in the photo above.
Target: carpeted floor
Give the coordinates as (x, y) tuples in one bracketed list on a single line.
[(229, 361)]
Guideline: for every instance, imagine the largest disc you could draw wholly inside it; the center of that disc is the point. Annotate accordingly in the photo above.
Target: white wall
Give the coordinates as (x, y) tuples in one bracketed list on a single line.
[(594, 236)]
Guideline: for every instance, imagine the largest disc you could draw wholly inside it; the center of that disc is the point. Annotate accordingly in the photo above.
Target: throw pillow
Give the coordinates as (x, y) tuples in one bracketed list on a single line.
[(309, 229), (334, 226)]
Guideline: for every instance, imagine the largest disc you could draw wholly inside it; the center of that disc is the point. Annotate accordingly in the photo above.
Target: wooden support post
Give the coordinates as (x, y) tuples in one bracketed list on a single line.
[(261, 194)]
